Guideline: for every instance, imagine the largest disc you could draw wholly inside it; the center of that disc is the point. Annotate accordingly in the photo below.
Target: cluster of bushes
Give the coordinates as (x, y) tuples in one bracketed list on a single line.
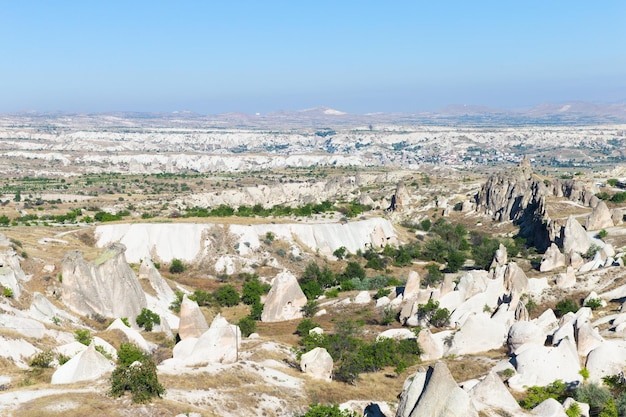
[(352, 355), (228, 296), (135, 372), (608, 400), (484, 247), (618, 197), (315, 280), (349, 210)]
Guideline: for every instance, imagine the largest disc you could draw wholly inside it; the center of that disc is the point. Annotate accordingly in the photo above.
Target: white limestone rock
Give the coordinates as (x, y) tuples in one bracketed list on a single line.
[(412, 287), (605, 360), (600, 218), (192, 322), (540, 365), (479, 333), (432, 348), (106, 286), (552, 259), (86, 366), (524, 333), (317, 363), (363, 297), (549, 408), (435, 393), (566, 279), (285, 299), (575, 238), (219, 344), (491, 394), (133, 336)]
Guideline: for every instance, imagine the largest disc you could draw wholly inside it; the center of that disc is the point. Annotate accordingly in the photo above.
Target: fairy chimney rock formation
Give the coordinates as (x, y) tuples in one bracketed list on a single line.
[(285, 299), (106, 286)]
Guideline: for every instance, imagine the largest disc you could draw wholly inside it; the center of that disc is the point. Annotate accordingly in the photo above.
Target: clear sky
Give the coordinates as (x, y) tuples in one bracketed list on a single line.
[(215, 56)]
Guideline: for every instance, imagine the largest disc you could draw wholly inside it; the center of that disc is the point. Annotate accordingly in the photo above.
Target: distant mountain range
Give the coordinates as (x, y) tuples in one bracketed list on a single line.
[(574, 113)]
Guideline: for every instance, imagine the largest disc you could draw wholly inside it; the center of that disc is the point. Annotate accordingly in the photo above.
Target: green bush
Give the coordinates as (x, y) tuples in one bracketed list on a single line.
[(594, 395), (383, 292), (305, 326), (247, 325), (318, 410), (594, 303), (175, 305), (129, 353), (310, 308), (434, 276), (140, 378), (147, 319), (435, 316), (565, 306), (7, 292), (332, 293), (42, 359), (536, 395), (83, 336), (226, 296), (177, 266)]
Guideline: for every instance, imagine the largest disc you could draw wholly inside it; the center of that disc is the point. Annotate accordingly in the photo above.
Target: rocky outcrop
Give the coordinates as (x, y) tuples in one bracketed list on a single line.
[(219, 344), (434, 393), (285, 299), (192, 322), (11, 273), (552, 259), (86, 366), (317, 363), (600, 218), (400, 199), (574, 237), (105, 287), (492, 394)]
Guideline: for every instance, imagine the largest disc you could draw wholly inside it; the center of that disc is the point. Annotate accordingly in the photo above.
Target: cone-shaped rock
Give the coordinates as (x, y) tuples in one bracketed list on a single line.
[(192, 321), (285, 299)]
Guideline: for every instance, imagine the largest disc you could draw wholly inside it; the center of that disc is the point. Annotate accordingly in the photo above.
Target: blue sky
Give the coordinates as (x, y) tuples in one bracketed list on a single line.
[(261, 56)]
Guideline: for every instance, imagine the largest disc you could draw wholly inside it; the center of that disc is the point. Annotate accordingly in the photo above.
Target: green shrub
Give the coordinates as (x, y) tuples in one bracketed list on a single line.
[(388, 316), (7, 292), (565, 306), (332, 293), (226, 296), (435, 316), (434, 276), (125, 321), (175, 305), (305, 326), (573, 410), (594, 395), (247, 325), (310, 308), (594, 303), (536, 395), (602, 234), (129, 353), (318, 410), (383, 292), (42, 359), (177, 266), (140, 378), (103, 352), (147, 319), (83, 336)]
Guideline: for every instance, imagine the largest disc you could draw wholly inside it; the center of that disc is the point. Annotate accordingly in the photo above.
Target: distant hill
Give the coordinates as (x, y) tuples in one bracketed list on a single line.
[(574, 113)]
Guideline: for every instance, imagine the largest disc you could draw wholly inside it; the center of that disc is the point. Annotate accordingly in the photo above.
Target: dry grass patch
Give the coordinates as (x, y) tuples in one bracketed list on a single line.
[(379, 386), (100, 405)]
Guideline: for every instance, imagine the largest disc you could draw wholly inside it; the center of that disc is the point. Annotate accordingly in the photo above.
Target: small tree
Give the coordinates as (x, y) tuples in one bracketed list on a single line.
[(226, 296), (140, 378), (177, 266), (83, 336), (147, 319)]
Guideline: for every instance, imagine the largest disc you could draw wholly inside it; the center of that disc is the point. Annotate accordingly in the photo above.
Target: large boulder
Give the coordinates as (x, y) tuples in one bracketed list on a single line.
[(500, 258), (434, 393), (412, 287), (552, 259), (541, 365), (574, 237), (491, 393), (285, 299), (524, 333), (86, 366), (605, 360), (600, 218), (317, 363), (219, 344), (192, 323), (11, 273), (106, 287), (479, 333)]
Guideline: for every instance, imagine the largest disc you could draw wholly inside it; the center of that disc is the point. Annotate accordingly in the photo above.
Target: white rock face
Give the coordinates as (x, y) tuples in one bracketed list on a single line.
[(219, 344), (600, 218), (106, 286), (43, 310), (133, 336), (186, 241), (524, 333), (491, 393), (607, 359), (11, 273), (412, 287), (549, 408), (363, 297), (539, 365), (86, 366), (317, 363), (552, 259), (192, 323), (285, 299), (479, 333), (575, 238), (435, 395)]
